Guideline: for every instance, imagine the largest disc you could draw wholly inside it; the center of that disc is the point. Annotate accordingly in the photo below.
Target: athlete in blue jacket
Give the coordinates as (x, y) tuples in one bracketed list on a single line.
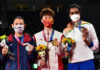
[(22, 47)]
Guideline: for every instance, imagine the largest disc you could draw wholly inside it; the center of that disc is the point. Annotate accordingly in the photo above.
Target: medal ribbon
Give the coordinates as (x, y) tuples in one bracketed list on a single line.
[(22, 40), (51, 37)]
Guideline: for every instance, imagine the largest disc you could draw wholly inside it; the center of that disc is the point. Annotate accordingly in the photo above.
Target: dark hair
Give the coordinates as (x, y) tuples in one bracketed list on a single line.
[(74, 6), (18, 17), (47, 11)]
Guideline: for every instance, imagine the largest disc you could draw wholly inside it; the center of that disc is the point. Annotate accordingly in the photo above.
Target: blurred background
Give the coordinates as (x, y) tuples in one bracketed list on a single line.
[(30, 9)]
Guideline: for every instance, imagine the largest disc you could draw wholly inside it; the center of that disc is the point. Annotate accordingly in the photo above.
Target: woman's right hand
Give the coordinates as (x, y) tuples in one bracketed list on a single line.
[(4, 50), (42, 63)]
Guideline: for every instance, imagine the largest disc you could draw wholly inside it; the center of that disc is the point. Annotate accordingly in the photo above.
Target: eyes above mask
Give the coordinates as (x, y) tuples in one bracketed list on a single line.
[(48, 22), (18, 28), (76, 12), (75, 17)]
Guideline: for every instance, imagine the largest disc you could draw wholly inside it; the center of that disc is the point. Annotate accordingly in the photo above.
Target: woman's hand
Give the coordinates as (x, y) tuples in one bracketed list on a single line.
[(31, 48), (4, 50)]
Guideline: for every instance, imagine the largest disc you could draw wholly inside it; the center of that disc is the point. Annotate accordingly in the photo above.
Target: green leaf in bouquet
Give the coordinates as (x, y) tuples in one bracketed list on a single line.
[(69, 40), (3, 37)]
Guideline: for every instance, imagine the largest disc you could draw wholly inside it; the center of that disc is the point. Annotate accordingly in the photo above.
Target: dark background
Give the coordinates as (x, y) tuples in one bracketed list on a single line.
[(30, 9)]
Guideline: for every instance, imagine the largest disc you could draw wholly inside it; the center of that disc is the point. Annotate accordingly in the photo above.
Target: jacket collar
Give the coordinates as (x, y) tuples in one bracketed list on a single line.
[(49, 31), (27, 38)]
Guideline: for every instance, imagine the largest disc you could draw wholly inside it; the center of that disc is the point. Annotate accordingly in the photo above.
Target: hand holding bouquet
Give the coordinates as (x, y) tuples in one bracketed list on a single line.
[(69, 46), (42, 54), (3, 40), (41, 49), (4, 47)]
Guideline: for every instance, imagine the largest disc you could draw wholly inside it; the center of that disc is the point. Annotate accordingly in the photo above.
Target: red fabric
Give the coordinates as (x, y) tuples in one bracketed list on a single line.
[(62, 53), (10, 37), (27, 38), (60, 64), (62, 37), (48, 23), (39, 68), (18, 55)]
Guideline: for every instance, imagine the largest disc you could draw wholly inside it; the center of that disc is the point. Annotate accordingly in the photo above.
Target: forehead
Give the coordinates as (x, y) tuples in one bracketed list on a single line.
[(18, 20), (47, 15), (74, 9)]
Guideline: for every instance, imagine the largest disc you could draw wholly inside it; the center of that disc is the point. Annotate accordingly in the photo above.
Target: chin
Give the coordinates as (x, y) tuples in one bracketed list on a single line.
[(20, 32), (49, 27)]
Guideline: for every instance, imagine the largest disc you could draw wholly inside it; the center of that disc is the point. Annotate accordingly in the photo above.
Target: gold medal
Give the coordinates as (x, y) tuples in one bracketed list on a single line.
[(55, 43)]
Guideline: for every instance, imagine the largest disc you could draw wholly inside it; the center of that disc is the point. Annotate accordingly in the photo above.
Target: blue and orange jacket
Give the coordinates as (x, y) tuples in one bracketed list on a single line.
[(22, 58)]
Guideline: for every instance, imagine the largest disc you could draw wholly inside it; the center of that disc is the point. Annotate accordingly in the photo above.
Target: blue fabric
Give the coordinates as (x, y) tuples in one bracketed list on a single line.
[(69, 47), (2, 58), (85, 65), (24, 58), (91, 44)]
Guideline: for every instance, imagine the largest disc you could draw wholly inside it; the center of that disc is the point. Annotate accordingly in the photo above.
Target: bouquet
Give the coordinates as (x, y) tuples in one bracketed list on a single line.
[(68, 40), (41, 49), (70, 46), (3, 40)]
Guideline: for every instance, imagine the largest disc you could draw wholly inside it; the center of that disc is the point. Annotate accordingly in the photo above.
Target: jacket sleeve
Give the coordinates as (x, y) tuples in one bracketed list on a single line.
[(93, 37)]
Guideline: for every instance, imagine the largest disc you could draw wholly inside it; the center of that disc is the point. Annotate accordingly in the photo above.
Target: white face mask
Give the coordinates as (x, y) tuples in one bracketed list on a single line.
[(18, 28), (75, 17)]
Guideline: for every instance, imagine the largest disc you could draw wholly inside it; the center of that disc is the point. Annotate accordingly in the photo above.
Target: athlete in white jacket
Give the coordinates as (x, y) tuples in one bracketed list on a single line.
[(46, 37), (82, 58)]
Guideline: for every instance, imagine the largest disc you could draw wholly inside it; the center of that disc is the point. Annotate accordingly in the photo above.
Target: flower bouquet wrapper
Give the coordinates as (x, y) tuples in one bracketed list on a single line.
[(70, 46), (42, 52), (3, 40)]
